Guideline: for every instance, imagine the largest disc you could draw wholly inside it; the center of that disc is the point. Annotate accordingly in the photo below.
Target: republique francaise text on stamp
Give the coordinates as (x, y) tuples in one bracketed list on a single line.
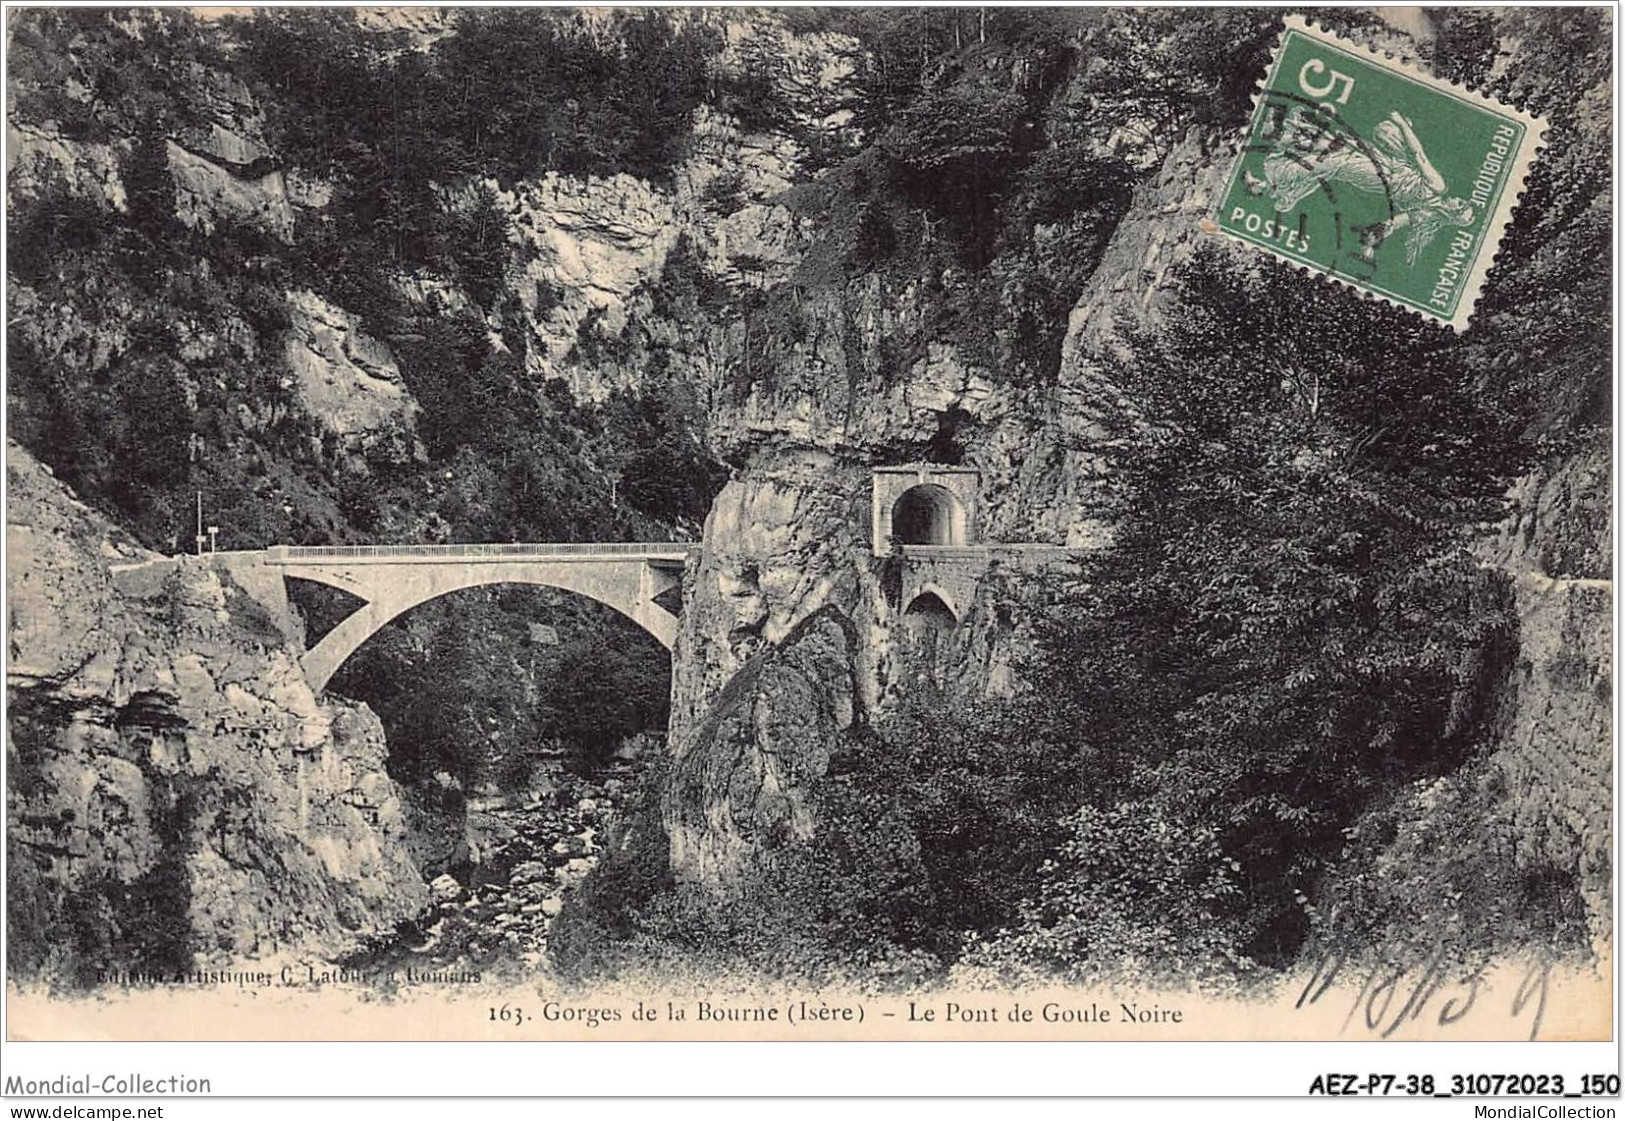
[(1368, 170)]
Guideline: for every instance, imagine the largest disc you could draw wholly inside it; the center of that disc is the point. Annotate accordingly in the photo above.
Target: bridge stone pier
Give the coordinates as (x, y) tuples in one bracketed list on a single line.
[(392, 579), (939, 581)]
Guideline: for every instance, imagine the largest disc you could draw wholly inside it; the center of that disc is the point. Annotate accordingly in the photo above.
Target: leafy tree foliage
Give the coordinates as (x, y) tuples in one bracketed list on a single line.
[(125, 73), (1289, 623), (1157, 71), (754, 93), (466, 688), (1240, 705), (1543, 322), (136, 427), (507, 93), (1010, 143), (1132, 892), (193, 396), (959, 146), (931, 827), (1442, 870)]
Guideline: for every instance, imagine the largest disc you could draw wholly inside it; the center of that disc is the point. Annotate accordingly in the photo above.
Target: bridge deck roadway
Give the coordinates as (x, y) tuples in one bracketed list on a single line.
[(391, 579), (625, 575), (516, 553)]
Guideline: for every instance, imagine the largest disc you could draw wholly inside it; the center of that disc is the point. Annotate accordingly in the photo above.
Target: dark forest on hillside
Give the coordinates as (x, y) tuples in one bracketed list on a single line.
[(1229, 719)]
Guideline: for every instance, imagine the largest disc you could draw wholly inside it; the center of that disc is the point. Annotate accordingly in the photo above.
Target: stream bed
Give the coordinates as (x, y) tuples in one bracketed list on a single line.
[(492, 915)]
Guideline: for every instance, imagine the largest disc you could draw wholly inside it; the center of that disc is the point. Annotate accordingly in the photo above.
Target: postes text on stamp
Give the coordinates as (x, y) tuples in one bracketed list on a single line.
[(1364, 168)]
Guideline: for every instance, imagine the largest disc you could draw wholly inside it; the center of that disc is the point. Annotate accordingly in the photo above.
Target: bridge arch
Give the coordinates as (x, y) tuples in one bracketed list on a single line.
[(627, 583), (929, 611), (928, 514)]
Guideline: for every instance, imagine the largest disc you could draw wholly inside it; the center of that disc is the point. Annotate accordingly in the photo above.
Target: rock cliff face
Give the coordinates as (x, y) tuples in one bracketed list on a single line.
[(208, 191), (788, 539), (178, 794), (582, 250), (350, 383), (39, 155), (169, 745), (1556, 726), (1554, 742), (223, 168), (787, 543), (741, 788)]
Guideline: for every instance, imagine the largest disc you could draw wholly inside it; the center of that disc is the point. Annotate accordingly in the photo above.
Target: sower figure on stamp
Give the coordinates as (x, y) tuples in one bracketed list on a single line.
[(1394, 164)]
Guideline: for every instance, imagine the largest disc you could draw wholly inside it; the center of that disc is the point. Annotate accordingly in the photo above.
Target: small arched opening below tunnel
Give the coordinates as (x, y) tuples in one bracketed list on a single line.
[(928, 514), (928, 612)]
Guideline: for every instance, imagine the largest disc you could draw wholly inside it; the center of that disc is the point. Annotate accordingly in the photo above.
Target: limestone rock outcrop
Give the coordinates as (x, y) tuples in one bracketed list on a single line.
[(168, 746), (1556, 732), (583, 249), (178, 794), (776, 546), (741, 786), (794, 632), (789, 537), (39, 156), (209, 192), (223, 167), (1555, 729), (349, 382)]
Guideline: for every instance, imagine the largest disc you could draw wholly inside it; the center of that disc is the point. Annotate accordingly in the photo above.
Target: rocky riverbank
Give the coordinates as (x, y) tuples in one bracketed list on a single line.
[(490, 915)]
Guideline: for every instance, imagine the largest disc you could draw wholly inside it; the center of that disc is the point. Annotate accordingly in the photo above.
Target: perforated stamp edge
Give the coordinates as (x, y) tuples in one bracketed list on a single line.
[(1529, 148)]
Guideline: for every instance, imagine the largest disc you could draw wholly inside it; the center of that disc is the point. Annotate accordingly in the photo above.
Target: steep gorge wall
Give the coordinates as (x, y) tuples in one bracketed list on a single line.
[(768, 683), (788, 540), (167, 749), (177, 793), (792, 633), (1555, 731), (224, 177)]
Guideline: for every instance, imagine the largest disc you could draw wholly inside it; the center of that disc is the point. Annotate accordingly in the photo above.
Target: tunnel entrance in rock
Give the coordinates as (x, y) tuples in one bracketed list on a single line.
[(928, 514)]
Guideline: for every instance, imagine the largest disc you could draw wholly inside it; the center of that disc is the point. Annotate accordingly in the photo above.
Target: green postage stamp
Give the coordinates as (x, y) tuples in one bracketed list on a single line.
[(1366, 169)]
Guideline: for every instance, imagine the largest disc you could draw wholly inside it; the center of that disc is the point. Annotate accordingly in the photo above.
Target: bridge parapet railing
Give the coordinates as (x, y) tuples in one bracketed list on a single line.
[(991, 549), (315, 554)]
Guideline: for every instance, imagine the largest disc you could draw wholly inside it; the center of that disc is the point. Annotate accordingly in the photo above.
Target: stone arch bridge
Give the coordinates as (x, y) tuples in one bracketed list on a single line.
[(924, 513), (393, 579)]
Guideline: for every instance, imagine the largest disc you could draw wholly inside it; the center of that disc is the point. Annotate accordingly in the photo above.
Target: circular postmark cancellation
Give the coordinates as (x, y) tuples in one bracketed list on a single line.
[(1304, 148), (1365, 169)]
